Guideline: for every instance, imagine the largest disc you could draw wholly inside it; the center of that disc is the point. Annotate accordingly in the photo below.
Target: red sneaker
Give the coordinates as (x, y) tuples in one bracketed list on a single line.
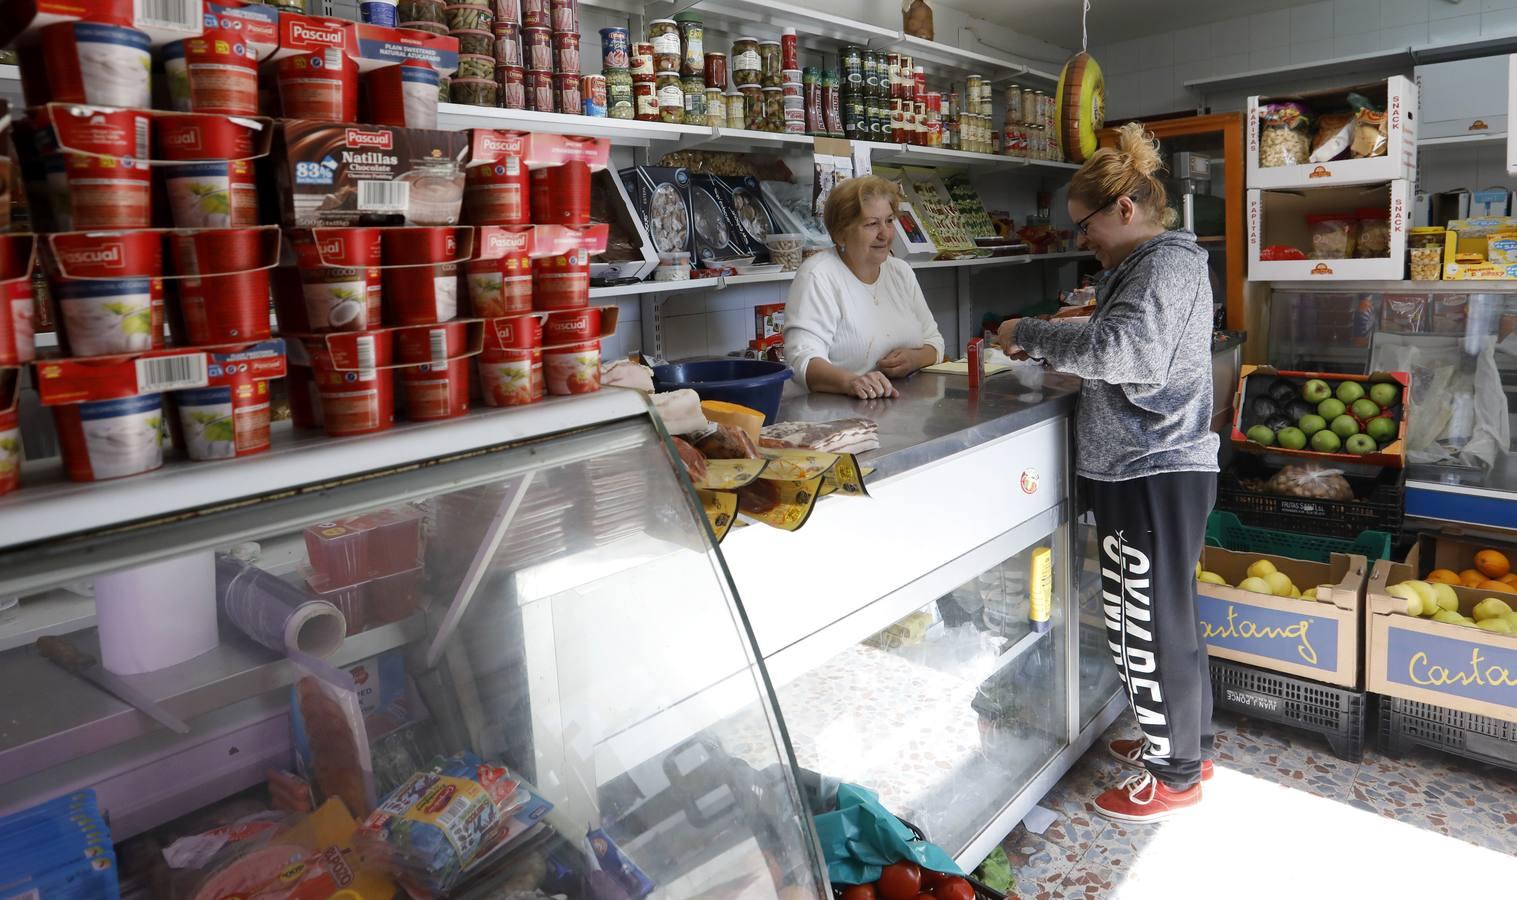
[(1130, 753), (1144, 798)]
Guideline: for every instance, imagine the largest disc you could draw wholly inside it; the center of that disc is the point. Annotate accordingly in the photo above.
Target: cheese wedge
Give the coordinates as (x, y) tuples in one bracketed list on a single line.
[(740, 417)]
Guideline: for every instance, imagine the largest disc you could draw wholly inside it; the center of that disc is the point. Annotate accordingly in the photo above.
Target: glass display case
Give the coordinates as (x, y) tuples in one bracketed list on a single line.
[(1455, 338), (540, 605)]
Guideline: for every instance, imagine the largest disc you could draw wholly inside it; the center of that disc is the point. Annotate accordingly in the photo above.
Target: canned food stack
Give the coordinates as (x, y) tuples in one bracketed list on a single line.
[(865, 94), (615, 80), (571, 329), (510, 63), (563, 20), (472, 22), (913, 110), (1029, 126)]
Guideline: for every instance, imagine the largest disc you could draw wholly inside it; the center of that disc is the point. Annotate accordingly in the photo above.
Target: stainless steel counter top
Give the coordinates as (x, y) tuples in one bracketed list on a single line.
[(938, 415)]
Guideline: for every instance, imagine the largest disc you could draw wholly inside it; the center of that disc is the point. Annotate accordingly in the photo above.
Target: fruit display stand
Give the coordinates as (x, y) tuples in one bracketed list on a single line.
[(1445, 683)]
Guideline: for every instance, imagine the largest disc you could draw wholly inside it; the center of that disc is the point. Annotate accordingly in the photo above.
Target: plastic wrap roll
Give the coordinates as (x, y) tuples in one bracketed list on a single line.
[(275, 613)]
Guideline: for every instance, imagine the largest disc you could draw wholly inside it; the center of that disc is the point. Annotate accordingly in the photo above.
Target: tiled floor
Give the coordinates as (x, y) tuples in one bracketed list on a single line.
[(1283, 817)]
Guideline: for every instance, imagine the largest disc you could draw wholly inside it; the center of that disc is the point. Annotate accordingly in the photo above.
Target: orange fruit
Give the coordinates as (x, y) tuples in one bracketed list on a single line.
[(1443, 576), (1471, 578), (1509, 578), (1498, 586), (1492, 563)]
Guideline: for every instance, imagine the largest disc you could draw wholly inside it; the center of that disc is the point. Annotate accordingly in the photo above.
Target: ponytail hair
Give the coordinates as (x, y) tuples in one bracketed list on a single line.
[(1131, 169)]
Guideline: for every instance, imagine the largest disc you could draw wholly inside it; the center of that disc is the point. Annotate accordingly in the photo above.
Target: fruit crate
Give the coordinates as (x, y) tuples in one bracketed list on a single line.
[(1335, 713), (1407, 723), (1377, 503), (1225, 530)]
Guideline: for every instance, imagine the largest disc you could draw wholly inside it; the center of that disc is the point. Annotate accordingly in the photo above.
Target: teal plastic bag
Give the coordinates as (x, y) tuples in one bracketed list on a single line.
[(861, 837)]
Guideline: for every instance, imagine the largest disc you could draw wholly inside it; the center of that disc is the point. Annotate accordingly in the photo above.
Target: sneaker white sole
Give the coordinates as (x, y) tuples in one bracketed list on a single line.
[(1141, 820)]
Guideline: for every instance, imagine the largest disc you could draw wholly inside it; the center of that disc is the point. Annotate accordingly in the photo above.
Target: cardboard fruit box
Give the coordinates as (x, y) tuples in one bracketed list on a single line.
[(1453, 550), (1317, 639), (1452, 666), (1255, 381)]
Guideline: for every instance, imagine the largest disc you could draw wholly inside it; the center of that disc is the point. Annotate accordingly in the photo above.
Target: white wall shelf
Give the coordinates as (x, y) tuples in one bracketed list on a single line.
[(1483, 137), (1342, 65)]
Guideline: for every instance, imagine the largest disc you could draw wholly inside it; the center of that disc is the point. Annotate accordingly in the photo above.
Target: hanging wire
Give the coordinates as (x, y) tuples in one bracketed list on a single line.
[(1084, 32)]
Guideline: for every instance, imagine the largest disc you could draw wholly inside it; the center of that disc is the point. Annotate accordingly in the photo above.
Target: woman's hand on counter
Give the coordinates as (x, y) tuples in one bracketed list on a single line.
[(903, 361), (872, 386), (1006, 339), (824, 377)]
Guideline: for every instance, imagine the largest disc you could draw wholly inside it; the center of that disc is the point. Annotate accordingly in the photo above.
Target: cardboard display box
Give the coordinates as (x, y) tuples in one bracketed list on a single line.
[(1319, 639), (1254, 381), (1454, 550), (1278, 218), (1453, 666), (1398, 94), (1483, 249)]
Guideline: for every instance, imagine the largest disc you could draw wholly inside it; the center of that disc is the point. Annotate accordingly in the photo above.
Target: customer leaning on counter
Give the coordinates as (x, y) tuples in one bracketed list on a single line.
[(856, 317), (1146, 458)]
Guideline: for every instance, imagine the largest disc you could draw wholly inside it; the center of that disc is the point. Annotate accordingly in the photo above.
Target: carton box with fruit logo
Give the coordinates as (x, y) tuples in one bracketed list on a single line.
[(1348, 418), (1436, 640), (1285, 615)]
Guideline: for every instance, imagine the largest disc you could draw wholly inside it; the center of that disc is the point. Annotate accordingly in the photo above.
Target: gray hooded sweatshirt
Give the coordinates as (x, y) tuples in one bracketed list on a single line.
[(1145, 355)]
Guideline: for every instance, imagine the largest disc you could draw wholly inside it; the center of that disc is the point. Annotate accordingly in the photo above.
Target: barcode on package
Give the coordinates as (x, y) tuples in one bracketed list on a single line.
[(141, 139), (171, 373), (365, 351), (177, 15), (384, 196), (439, 340)]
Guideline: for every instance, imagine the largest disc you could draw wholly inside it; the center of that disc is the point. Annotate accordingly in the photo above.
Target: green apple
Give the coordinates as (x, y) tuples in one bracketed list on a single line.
[(1312, 424), (1382, 429), (1448, 617), (1360, 444), (1345, 426), (1315, 391), (1261, 568), (1291, 438), (1261, 434), (1349, 391), (1325, 441), (1279, 584), (1365, 409), (1331, 409), (1385, 394), (1255, 586)]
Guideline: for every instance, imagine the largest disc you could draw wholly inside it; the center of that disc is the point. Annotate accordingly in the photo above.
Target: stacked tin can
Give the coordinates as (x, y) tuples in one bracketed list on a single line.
[(612, 89), (865, 95), (1030, 127), (472, 22), (563, 23), (510, 63)]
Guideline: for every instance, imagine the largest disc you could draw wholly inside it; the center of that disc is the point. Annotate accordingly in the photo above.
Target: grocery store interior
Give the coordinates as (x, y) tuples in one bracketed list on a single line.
[(412, 484)]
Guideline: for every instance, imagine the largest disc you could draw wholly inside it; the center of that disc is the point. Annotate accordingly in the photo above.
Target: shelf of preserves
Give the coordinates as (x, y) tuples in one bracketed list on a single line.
[(743, 140), (816, 28), (625, 132), (947, 59)]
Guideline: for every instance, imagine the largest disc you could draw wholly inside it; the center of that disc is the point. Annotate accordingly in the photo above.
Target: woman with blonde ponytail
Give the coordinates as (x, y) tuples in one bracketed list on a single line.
[(1146, 459)]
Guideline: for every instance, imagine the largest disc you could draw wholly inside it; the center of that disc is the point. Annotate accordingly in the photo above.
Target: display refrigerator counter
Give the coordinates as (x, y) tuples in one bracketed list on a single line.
[(463, 658), (897, 630)]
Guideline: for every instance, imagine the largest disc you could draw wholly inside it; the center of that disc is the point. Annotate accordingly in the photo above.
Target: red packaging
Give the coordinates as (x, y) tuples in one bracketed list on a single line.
[(535, 14), (566, 96), (348, 598), (919, 82), (225, 421), (10, 451), (592, 90), (436, 392), (109, 290), (508, 46), (566, 53), (561, 282), (496, 193), (110, 438), (17, 341), (789, 55), (537, 49), (564, 16), (974, 354), (404, 96), (229, 301), (508, 12), (645, 100), (561, 194), (214, 73), (540, 91), (513, 86), (357, 400), (575, 327), (502, 285), (322, 87), (104, 191), (511, 365), (289, 300), (97, 63), (435, 345), (305, 404), (421, 274), (215, 187), (572, 369), (340, 277), (390, 598)]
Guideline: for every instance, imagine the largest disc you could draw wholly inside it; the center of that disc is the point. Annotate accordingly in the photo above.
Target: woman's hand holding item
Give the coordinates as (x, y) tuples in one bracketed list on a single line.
[(1006, 339)]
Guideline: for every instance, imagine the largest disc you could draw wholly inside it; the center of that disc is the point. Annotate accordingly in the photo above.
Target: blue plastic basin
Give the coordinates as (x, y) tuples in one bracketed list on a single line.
[(754, 383)]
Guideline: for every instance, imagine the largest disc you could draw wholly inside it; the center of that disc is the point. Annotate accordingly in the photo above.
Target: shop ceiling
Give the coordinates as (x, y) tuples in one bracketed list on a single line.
[(1058, 21)]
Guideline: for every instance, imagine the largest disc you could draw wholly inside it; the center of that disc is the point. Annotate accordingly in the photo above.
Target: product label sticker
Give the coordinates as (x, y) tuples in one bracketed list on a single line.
[(1292, 637), (1450, 666)]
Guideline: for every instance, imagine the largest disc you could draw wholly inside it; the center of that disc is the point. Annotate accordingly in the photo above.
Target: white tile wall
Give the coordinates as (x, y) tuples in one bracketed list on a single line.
[(1320, 30)]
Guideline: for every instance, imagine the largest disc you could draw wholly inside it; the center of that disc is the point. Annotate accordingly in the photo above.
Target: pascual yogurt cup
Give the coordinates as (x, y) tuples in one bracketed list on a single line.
[(511, 364), (214, 73), (225, 421), (436, 391), (572, 369), (111, 438), (211, 182), (340, 277), (500, 282), (102, 192), (404, 96), (320, 87), (356, 399), (109, 291), (17, 341), (10, 451), (97, 63), (420, 274), (226, 297)]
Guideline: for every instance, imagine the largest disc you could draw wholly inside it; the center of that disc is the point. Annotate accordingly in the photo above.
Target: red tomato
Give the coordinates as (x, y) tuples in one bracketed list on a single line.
[(900, 881), (859, 892), (931, 879), (953, 889)]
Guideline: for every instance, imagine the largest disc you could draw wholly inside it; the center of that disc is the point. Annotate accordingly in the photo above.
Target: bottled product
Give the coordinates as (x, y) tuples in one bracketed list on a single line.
[(671, 98), (771, 64), (747, 68), (692, 44), (664, 34), (716, 70)]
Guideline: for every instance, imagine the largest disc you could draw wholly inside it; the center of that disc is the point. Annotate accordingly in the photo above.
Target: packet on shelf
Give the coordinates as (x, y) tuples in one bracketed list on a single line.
[(337, 174), (1480, 249)]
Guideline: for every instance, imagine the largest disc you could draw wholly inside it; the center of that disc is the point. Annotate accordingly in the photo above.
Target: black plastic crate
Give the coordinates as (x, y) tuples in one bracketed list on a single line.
[(1333, 712), (1407, 723), (1377, 503)]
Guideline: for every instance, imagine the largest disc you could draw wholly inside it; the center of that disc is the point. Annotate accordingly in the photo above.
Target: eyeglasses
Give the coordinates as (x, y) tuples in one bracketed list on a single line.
[(1083, 228)]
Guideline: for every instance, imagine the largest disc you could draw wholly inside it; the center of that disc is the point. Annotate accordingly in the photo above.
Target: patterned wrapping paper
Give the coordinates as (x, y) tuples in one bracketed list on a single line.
[(971, 208)]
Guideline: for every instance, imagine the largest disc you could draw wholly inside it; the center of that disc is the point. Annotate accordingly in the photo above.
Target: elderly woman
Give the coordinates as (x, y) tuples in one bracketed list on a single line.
[(856, 317)]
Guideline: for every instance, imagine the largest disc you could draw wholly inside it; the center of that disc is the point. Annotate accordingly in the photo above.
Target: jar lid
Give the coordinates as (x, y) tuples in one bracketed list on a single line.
[(750, 40), (662, 22), (688, 18), (777, 90), (711, 53)]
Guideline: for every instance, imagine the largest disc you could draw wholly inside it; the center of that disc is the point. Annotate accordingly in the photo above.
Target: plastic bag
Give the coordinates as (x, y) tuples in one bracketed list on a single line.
[(1284, 134), (1312, 481), (1461, 417), (1335, 131), (331, 738), (861, 837)]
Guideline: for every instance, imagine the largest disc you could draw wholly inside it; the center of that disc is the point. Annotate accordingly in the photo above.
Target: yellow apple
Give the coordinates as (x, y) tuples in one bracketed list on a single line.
[(1412, 598), (1491, 608), (1279, 584), (1211, 578), (1261, 568), (1255, 585)]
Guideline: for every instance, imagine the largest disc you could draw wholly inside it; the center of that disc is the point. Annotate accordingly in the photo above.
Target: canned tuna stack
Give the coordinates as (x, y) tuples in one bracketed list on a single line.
[(615, 78), (563, 20)]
